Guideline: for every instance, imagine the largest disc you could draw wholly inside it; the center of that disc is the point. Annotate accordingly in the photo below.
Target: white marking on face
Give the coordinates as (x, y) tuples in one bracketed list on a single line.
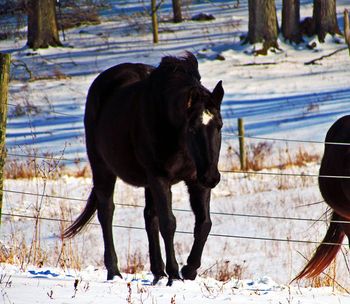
[(207, 116)]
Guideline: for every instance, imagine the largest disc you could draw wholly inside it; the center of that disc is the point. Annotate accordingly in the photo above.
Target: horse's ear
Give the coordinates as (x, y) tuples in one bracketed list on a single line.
[(218, 93), (191, 99)]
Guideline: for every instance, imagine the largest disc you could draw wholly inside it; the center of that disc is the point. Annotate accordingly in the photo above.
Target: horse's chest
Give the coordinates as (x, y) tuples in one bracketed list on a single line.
[(179, 167)]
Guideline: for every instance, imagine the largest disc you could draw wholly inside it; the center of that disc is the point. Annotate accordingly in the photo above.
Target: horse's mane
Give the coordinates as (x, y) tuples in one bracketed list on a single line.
[(186, 64), (172, 85)]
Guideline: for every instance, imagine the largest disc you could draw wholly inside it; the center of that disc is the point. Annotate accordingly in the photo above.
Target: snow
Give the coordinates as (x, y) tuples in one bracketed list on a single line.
[(279, 96), (53, 286)]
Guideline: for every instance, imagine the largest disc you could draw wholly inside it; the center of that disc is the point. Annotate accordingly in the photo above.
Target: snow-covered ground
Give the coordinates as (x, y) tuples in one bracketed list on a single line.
[(279, 96), (53, 286)]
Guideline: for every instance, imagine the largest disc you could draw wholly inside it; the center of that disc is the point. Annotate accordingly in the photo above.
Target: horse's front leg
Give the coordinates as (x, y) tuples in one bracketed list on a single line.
[(200, 203), (152, 228), (161, 194)]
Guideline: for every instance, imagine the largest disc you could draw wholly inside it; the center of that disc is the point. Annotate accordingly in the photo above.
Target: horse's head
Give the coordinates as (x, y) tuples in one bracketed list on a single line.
[(204, 133), (190, 107)]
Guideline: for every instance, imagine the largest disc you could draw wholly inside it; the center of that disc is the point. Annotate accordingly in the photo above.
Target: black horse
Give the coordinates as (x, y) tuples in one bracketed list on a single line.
[(153, 127), (336, 193)]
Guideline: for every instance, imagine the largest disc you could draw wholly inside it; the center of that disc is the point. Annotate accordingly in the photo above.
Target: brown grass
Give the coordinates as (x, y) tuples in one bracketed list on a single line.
[(302, 158), (135, 263), (224, 270), (77, 16), (326, 279), (33, 168), (258, 157), (67, 251), (20, 253)]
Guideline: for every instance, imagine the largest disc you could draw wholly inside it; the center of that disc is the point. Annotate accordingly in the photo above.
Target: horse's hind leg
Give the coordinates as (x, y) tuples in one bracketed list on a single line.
[(104, 182), (200, 203), (152, 228)]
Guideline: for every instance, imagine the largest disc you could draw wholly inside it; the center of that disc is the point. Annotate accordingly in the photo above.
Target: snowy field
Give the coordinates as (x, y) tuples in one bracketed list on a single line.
[(264, 226)]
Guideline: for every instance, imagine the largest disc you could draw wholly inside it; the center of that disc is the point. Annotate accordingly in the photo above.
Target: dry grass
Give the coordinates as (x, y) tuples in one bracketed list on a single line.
[(135, 263), (66, 249), (66, 253), (302, 158), (224, 270), (326, 279), (259, 156), (34, 168), (19, 252), (77, 15), (24, 252)]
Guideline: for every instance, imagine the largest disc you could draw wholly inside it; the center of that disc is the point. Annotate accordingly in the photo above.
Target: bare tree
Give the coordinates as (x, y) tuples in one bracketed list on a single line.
[(263, 25), (42, 24), (177, 10), (291, 20), (325, 18), (347, 28)]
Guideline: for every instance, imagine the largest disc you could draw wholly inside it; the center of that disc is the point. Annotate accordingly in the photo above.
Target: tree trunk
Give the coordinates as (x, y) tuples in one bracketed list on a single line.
[(177, 11), (154, 21), (262, 26), (325, 18), (291, 20), (42, 24), (5, 60), (347, 28)]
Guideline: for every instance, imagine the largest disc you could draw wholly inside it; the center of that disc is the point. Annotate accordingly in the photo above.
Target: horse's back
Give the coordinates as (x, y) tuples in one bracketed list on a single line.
[(340, 130), (336, 163), (109, 116), (109, 82)]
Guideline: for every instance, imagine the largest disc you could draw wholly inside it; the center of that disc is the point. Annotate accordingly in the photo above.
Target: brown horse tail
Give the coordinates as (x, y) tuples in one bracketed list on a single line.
[(83, 218), (326, 252)]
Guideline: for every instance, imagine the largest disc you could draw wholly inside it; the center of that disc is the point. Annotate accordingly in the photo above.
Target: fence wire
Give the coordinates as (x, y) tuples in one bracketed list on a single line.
[(216, 213), (244, 172), (287, 140), (220, 235), (61, 159)]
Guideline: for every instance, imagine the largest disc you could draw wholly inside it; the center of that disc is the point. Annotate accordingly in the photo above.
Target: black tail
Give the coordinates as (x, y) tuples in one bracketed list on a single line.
[(336, 193), (326, 252), (83, 219)]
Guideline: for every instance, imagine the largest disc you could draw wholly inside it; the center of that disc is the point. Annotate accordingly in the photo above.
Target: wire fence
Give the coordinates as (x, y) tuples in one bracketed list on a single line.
[(230, 135), (220, 235), (238, 172), (215, 213), (177, 209), (224, 134), (287, 140)]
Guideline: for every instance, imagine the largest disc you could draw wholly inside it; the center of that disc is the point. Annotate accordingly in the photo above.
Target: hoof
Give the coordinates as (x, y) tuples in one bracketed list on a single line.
[(188, 273), (171, 281), (157, 278), (173, 278), (112, 275)]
